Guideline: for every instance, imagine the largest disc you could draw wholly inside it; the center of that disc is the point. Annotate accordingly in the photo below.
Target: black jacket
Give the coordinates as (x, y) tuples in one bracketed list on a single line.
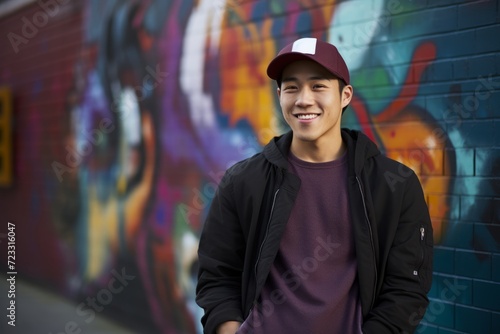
[(392, 231)]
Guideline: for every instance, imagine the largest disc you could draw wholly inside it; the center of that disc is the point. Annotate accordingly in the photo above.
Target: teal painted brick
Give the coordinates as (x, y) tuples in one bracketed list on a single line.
[(475, 66), (457, 44), (444, 114), (433, 292), (437, 20), (464, 163), (459, 234), (441, 20), (484, 85), (476, 14), (487, 161), (378, 105), (440, 313), (449, 331), (454, 203), (487, 39), (478, 83), (488, 105), (473, 264), (472, 320), (444, 260), (483, 100), (467, 185), (495, 322), (441, 3), (496, 125), (496, 211), (425, 328), (453, 289), (476, 209), (463, 106), (436, 106), (474, 133), (495, 264), (486, 295), (457, 114), (487, 237), (461, 68), (488, 82), (436, 89), (438, 71)]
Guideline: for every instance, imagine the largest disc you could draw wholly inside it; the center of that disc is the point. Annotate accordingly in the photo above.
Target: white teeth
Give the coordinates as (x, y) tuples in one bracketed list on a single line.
[(307, 116)]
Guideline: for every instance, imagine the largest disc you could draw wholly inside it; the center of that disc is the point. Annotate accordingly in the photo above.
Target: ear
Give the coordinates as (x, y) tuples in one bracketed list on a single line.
[(278, 91), (347, 93)]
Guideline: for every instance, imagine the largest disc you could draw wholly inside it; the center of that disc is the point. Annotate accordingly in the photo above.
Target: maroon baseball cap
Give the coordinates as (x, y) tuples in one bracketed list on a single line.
[(313, 49)]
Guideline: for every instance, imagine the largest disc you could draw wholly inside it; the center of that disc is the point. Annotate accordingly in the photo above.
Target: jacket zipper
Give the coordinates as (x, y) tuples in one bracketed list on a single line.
[(264, 241), (267, 231), (371, 240), (422, 250)]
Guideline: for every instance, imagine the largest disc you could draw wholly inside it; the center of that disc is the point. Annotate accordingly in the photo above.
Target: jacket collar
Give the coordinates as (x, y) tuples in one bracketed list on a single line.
[(359, 148), (277, 150)]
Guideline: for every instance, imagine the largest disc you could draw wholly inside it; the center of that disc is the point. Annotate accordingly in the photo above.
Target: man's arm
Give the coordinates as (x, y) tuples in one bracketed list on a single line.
[(221, 256), (403, 300)]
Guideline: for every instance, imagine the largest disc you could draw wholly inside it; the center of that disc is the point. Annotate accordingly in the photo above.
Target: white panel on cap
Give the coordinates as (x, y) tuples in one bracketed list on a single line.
[(305, 45)]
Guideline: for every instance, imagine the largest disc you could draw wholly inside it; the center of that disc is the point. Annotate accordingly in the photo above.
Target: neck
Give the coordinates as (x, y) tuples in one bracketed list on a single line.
[(312, 151)]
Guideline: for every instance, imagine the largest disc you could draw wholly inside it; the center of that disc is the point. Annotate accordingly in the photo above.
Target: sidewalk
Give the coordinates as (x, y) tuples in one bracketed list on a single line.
[(41, 312)]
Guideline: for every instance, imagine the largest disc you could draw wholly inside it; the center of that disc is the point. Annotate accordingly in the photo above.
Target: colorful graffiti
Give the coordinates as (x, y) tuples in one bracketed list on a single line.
[(185, 93), (167, 94)]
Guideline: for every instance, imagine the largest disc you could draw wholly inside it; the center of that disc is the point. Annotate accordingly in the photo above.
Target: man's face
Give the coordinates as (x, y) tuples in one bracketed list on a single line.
[(311, 102)]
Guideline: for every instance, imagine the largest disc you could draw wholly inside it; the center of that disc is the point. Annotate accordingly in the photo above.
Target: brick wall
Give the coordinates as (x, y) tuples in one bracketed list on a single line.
[(38, 53)]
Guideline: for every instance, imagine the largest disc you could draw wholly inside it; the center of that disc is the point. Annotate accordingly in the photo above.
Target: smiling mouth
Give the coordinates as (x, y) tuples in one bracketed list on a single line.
[(306, 116)]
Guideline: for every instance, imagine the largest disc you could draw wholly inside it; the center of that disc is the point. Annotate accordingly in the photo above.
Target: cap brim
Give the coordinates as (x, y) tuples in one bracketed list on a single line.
[(278, 64)]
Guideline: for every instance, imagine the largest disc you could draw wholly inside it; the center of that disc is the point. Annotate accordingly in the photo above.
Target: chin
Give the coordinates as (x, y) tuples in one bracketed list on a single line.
[(305, 137)]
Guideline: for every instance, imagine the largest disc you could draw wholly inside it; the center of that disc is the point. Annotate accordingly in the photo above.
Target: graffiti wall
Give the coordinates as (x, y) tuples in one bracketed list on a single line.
[(127, 114)]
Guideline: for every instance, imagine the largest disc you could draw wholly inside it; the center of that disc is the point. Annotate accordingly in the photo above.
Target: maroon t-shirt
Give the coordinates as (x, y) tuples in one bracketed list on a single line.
[(312, 286)]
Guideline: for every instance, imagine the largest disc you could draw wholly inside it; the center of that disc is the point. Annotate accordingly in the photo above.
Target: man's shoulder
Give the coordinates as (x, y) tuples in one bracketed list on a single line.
[(246, 176), (386, 163), (386, 171), (248, 167), (392, 173)]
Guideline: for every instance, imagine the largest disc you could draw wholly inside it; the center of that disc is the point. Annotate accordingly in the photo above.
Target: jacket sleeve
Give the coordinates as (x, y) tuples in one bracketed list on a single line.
[(402, 300), (220, 256)]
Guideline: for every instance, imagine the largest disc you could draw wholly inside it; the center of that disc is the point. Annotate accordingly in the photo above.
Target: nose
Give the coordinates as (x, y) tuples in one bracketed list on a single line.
[(304, 98)]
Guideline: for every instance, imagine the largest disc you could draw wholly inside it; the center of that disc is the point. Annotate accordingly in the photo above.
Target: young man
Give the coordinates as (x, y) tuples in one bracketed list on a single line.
[(309, 236)]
